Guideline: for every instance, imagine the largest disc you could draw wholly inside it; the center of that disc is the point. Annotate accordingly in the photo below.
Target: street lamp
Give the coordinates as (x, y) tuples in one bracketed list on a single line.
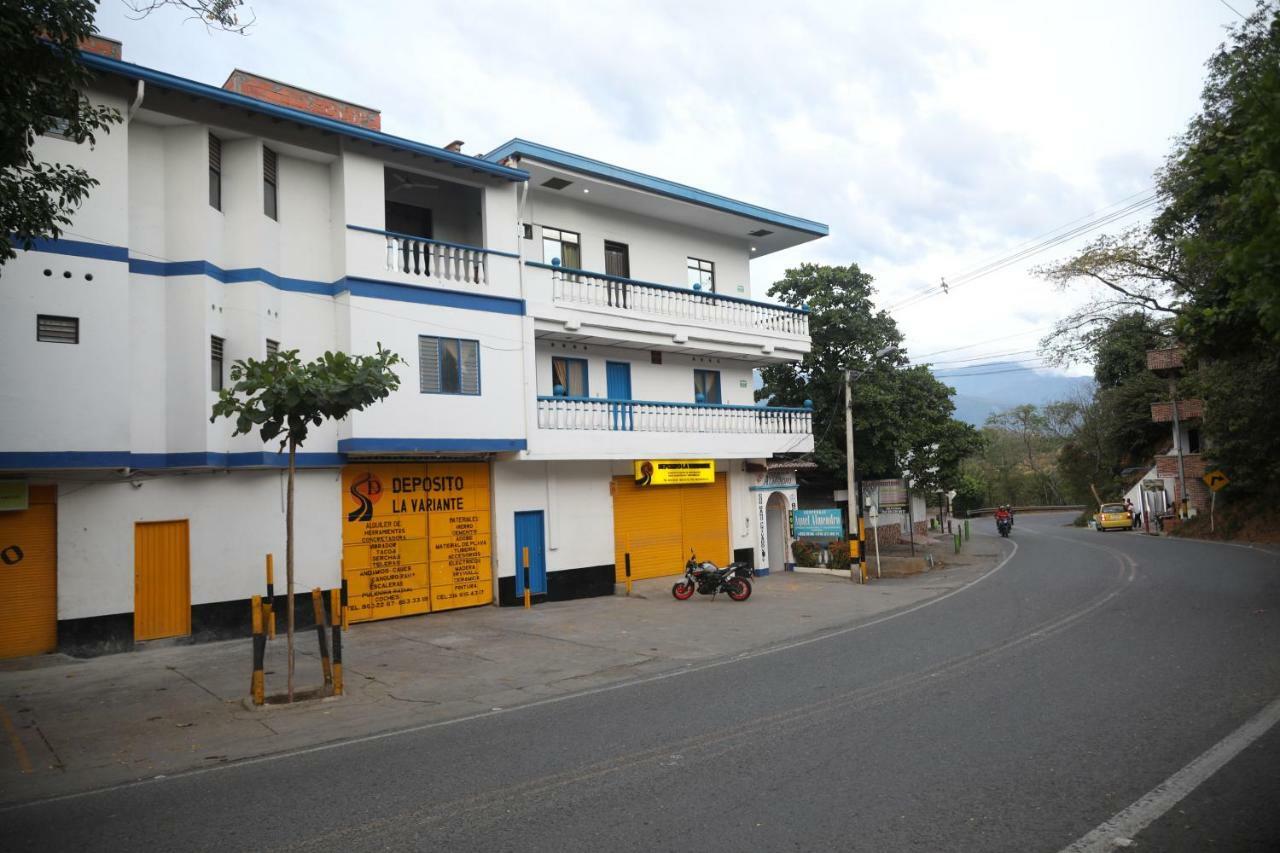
[(855, 507)]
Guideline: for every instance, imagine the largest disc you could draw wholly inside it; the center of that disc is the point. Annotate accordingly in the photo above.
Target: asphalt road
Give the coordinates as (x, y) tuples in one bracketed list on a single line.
[(1016, 714)]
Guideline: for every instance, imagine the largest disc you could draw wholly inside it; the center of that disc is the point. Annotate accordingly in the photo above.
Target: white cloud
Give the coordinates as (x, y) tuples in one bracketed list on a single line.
[(931, 136)]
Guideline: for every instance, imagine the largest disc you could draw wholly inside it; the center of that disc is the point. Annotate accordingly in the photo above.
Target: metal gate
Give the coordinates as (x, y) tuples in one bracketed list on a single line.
[(161, 580), (659, 525), (29, 576)]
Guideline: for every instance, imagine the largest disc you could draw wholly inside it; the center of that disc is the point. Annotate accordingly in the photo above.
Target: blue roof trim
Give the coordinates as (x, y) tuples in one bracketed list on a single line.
[(214, 93), (430, 445), (639, 180), (374, 289), (79, 459)]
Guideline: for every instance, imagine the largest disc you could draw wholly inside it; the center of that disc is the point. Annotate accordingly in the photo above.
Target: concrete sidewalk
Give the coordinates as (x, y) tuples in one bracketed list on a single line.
[(73, 725)]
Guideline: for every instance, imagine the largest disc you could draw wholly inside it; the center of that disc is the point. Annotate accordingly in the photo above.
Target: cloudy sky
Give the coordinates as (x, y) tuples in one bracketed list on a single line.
[(931, 136)]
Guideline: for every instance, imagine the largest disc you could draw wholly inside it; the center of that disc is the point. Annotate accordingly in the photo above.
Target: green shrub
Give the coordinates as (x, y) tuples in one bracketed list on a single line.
[(806, 552)]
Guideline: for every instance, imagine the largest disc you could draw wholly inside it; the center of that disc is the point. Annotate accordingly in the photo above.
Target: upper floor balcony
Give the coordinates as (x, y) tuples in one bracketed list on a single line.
[(595, 307), (602, 428)]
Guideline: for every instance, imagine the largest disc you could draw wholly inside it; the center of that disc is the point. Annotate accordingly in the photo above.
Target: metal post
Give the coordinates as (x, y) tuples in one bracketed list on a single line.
[(627, 566), (1177, 443), (911, 524), (271, 598)]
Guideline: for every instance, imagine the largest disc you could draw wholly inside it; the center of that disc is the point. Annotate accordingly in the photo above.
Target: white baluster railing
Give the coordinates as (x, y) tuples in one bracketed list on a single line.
[(419, 257), (580, 413), (642, 297)]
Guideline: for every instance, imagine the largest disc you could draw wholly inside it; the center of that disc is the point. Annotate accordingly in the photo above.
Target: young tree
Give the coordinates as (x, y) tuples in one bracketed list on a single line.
[(283, 398), (41, 92)]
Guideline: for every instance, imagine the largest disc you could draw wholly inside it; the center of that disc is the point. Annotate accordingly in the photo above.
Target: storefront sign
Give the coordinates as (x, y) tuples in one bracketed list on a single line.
[(674, 472), (415, 538), (818, 523), (13, 495)]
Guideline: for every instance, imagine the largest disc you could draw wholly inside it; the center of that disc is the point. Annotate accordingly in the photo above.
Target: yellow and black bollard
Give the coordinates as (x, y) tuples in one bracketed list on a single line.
[(317, 607), (271, 598), (528, 598), (257, 686), (626, 562), (345, 622), (862, 549), (335, 607)]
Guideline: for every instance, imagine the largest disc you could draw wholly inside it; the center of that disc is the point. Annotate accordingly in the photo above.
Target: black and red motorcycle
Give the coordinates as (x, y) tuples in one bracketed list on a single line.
[(709, 579)]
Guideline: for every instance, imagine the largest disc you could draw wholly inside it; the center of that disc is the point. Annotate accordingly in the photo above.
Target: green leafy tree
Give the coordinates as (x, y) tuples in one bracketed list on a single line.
[(896, 408), (41, 92), (282, 398), (1222, 188)]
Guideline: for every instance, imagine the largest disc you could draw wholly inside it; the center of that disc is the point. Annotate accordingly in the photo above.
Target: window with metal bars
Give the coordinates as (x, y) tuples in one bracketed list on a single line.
[(215, 172), (215, 362), (448, 365), (269, 183), (273, 347), (57, 330)]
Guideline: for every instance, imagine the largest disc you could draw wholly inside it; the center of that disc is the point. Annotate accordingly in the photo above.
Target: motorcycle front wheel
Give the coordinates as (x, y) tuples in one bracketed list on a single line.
[(739, 589), (682, 590)]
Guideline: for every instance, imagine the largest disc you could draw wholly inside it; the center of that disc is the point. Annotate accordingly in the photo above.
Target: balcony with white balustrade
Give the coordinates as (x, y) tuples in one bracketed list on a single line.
[(596, 308), (601, 428)]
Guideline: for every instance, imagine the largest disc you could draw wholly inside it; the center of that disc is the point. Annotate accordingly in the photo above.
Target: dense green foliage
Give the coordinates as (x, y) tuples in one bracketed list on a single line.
[(40, 93), (900, 413)]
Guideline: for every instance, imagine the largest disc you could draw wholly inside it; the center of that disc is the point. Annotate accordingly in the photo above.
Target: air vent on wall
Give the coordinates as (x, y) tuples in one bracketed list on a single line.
[(760, 232), (556, 183)]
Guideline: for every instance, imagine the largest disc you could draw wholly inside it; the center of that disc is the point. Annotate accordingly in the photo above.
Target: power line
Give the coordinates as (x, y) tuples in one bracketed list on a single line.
[(987, 341), (1060, 237), (985, 356), (988, 372)]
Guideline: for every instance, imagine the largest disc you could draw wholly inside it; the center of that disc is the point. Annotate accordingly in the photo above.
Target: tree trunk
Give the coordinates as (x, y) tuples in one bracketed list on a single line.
[(288, 561)]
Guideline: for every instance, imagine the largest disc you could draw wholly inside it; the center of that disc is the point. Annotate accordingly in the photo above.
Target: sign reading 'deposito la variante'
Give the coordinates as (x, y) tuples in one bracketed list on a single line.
[(674, 472)]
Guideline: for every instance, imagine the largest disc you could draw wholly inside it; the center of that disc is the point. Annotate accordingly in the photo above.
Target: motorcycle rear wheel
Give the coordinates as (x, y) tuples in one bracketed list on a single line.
[(739, 589), (682, 590)]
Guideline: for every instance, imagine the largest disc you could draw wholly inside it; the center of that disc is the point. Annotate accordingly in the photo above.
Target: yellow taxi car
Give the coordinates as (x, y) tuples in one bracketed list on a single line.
[(1113, 517)]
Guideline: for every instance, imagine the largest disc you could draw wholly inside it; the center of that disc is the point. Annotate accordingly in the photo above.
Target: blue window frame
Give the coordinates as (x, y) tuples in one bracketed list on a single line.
[(570, 376), (448, 365), (706, 386)]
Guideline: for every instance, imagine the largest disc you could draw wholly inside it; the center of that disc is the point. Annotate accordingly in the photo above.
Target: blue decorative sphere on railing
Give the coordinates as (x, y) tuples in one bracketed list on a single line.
[(804, 307), (700, 397), (557, 391), (555, 262), (697, 286), (808, 404)]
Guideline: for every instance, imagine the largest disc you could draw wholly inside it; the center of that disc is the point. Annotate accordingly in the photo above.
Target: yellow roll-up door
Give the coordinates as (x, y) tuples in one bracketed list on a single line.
[(658, 525), (161, 580), (29, 576)]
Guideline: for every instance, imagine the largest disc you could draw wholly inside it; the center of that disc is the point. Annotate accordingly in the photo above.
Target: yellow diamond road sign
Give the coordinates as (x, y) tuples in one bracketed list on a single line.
[(1215, 480)]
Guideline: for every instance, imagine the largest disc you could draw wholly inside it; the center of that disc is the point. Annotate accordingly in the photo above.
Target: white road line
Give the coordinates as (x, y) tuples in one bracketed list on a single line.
[(550, 700), (1114, 833)]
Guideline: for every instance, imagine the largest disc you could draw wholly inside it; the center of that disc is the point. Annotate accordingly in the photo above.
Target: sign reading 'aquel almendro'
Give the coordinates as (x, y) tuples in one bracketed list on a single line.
[(674, 472), (415, 538)]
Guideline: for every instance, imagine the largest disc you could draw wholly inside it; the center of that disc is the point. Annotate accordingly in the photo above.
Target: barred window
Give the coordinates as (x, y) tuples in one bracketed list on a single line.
[(215, 362), (215, 172), (269, 183), (57, 330)]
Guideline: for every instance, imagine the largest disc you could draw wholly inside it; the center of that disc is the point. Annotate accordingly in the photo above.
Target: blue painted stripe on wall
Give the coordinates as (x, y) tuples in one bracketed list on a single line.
[(430, 445), (366, 287), (77, 248), (431, 296), (124, 459)]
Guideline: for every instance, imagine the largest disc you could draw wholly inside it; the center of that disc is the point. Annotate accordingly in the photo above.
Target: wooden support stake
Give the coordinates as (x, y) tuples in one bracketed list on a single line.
[(335, 606), (271, 597), (317, 607), (257, 684)]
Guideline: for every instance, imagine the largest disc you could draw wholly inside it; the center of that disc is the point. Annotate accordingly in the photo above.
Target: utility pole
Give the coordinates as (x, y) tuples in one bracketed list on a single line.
[(851, 487)]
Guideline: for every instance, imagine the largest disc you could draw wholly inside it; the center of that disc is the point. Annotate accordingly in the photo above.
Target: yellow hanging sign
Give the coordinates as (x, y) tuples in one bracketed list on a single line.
[(674, 472)]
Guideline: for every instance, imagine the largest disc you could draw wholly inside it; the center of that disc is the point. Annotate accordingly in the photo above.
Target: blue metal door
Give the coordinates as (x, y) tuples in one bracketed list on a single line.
[(529, 534), (618, 379)]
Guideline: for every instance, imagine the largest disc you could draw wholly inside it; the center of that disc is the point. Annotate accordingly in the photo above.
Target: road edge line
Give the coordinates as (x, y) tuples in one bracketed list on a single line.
[(1159, 800)]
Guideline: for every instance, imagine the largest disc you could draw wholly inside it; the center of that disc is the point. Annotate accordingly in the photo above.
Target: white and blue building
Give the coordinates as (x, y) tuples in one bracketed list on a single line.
[(561, 319)]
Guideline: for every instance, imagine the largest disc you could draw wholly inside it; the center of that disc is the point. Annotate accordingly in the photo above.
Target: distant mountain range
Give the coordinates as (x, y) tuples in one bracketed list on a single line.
[(980, 395)]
